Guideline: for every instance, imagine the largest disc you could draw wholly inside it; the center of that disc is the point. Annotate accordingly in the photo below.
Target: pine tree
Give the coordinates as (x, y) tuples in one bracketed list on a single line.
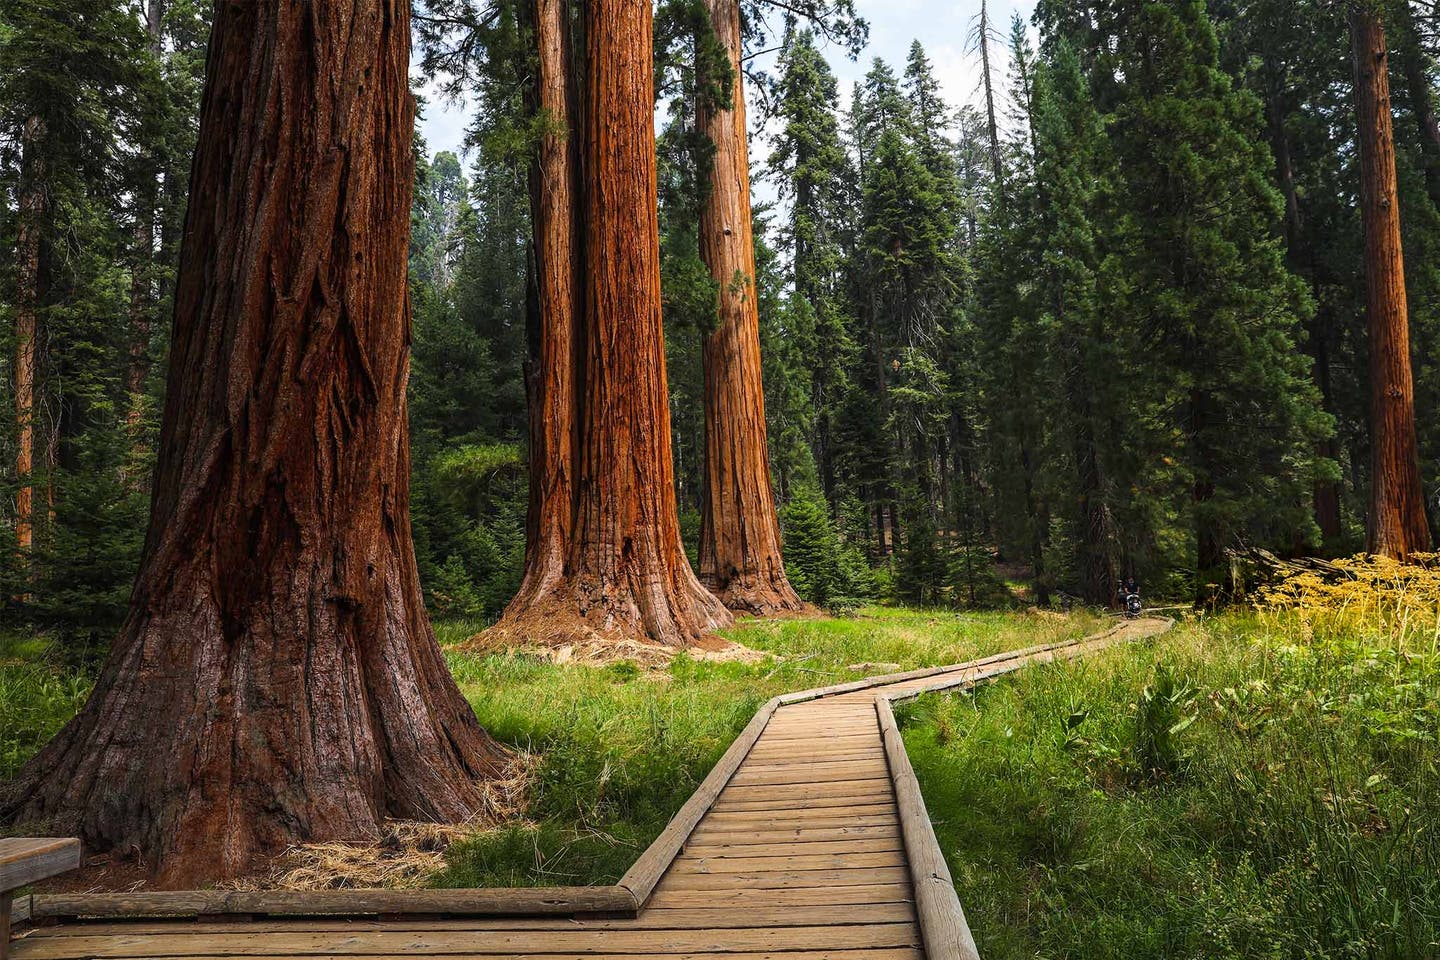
[(1217, 311), (811, 165)]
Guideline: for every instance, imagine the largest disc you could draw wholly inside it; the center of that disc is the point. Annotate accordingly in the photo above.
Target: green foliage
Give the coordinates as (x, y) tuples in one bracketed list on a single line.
[(1245, 789), (620, 749), (39, 693), (822, 567), (1165, 709)]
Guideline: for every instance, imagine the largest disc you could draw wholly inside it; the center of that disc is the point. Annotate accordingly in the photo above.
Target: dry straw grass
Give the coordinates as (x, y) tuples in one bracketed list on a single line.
[(406, 854)]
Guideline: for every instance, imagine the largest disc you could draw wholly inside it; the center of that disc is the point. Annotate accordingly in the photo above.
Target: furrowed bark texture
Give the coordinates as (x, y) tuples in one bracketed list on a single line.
[(629, 569), (27, 303), (558, 253), (625, 577), (740, 557), (276, 680), (1397, 525)]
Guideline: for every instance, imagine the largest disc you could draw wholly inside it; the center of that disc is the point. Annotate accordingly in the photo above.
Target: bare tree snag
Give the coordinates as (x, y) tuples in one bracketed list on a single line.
[(740, 557), (1397, 525), (276, 679), (626, 576), (982, 40), (551, 377), (27, 327)]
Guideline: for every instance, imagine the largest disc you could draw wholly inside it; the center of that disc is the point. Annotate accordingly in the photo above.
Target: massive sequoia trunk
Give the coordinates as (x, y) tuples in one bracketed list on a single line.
[(556, 287), (276, 679), (740, 532), (625, 575), (1397, 526)]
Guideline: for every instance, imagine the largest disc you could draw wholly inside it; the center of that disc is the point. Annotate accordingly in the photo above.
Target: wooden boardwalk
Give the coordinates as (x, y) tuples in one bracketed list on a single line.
[(808, 841)]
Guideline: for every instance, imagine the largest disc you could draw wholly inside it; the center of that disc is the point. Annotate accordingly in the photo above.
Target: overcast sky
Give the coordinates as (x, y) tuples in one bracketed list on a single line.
[(942, 26)]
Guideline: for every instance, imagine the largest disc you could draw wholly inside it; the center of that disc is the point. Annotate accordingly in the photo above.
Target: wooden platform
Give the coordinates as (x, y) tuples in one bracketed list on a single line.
[(808, 841)]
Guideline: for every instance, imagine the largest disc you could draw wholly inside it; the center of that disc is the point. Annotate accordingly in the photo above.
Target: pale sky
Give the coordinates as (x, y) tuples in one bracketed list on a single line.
[(943, 28)]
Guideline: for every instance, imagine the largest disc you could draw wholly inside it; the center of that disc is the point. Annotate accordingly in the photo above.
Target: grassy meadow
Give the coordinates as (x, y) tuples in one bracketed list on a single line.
[(1261, 784), (617, 749)]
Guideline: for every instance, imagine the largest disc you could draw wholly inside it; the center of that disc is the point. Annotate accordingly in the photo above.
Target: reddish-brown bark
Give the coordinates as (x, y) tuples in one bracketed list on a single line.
[(626, 575), (1397, 525), (27, 302), (554, 194), (276, 679), (740, 557)]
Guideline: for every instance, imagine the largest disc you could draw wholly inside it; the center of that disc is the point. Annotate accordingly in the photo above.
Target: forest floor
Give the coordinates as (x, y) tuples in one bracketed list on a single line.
[(1255, 784)]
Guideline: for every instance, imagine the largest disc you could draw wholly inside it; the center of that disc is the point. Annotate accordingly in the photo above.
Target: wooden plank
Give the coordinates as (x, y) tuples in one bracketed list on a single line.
[(26, 860), (831, 741), (947, 934), (497, 901), (773, 879), (738, 829), (728, 805), (799, 835), (742, 899), (816, 775), (793, 847), (779, 861), (413, 943), (814, 762), (873, 788), (661, 918), (650, 866), (787, 814), (764, 756)]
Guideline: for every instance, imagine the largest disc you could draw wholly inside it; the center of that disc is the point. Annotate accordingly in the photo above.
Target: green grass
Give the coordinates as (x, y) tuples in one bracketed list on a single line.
[(1245, 787), (39, 692), (622, 749)]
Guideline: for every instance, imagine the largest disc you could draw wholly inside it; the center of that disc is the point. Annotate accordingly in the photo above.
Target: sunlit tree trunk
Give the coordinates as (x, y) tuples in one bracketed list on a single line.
[(27, 328), (740, 557), (555, 193), (1397, 526), (276, 679), (626, 577)]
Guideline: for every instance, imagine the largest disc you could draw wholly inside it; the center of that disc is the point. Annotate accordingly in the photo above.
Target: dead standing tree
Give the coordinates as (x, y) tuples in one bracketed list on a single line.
[(276, 679)]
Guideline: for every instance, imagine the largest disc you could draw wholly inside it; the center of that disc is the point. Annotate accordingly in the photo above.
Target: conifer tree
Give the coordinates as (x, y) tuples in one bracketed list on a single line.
[(1217, 309), (811, 165)]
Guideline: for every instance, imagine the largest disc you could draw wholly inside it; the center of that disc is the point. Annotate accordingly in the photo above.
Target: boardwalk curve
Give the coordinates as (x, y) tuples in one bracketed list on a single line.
[(808, 840)]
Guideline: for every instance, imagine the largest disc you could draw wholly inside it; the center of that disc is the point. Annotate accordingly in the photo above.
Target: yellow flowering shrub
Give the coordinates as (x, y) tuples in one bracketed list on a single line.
[(1364, 595)]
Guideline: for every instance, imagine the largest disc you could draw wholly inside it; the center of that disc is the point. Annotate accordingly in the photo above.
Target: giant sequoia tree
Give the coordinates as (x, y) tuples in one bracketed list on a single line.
[(276, 679), (1397, 525), (740, 532), (604, 496)]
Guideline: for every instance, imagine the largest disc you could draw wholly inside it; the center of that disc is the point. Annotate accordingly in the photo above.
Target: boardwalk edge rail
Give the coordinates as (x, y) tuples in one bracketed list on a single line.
[(944, 930)]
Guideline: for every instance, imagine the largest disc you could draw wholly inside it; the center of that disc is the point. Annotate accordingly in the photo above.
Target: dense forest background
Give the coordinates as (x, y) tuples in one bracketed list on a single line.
[(1108, 323)]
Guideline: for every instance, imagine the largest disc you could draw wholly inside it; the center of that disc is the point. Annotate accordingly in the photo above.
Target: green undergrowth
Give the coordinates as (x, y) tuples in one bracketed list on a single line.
[(1256, 785), (620, 749)]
